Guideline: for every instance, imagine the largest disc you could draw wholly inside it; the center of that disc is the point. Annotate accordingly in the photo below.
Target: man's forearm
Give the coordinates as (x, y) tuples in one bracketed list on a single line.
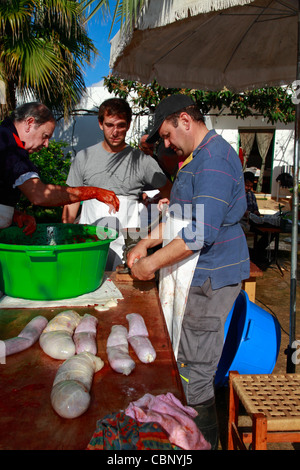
[(51, 195), (175, 251), (42, 194), (70, 212), (172, 253)]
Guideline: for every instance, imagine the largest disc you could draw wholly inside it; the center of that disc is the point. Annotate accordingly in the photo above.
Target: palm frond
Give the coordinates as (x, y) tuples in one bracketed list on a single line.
[(43, 47)]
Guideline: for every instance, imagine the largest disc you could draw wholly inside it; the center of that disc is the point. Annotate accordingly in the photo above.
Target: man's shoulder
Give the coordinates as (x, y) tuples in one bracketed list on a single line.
[(134, 153), (9, 144), (133, 150), (6, 135), (90, 151)]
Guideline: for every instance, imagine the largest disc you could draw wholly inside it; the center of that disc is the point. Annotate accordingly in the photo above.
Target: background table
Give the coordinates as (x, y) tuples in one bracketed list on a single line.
[(27, 419), (276, 231), (249, 285)]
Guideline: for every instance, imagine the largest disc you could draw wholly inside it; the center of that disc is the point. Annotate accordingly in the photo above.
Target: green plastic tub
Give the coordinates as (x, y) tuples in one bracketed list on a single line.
[(58, 261)]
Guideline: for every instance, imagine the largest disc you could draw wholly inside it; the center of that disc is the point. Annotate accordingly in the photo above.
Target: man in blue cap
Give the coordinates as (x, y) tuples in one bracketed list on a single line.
[(204, 256)]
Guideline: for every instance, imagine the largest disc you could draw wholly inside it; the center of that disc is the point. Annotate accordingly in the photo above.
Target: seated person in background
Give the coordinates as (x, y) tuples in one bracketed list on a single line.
[(259, 255), (252, 207)]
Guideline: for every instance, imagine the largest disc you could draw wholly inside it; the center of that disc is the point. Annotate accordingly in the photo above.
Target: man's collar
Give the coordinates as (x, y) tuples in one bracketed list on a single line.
[(8, 124)]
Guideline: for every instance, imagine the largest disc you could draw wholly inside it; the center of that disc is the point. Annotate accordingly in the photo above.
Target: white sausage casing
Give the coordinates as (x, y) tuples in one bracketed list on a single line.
[(70, 395)]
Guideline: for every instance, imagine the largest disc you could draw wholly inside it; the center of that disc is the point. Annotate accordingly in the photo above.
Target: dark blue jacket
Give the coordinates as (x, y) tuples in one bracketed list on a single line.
[(14, 162)]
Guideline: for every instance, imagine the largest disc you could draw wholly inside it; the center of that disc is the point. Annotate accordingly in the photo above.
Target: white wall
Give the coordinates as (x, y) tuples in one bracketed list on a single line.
[(82, 131), (228, 127)]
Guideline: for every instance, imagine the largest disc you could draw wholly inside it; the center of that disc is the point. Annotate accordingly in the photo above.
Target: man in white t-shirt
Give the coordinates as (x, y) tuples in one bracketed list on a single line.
[(113, 164)]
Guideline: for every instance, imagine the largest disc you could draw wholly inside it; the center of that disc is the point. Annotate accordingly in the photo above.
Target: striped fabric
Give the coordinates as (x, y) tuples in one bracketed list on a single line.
[(210, 191)]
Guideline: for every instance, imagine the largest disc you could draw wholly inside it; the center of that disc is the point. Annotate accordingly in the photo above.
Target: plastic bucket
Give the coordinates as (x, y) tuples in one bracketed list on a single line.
[(58, 261), (252, 339)]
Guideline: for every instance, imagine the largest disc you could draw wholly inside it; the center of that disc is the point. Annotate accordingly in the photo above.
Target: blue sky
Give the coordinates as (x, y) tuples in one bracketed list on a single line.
[(98, 31)]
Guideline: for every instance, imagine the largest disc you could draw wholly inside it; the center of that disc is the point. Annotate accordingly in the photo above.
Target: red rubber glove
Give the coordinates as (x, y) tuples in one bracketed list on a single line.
[(25, 220)]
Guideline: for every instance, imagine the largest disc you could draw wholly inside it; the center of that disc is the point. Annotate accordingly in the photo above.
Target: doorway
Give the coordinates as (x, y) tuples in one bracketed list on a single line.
[(258, 149)]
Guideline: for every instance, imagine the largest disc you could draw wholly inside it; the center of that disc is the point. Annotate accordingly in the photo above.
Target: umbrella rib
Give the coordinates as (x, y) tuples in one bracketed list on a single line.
[(288, 6), (247, 31), (257, 20)]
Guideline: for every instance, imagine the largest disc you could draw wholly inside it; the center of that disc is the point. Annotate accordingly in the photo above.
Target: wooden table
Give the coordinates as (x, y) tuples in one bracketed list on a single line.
[(27, 419), (276, 231), (249, 285)]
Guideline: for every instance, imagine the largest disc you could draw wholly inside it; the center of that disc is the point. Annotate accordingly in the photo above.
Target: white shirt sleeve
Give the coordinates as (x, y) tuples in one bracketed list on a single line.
[(25, 177)]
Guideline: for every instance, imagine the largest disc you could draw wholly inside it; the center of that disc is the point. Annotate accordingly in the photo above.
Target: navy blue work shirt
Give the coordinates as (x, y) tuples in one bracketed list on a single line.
[(210, 191), (14, 162)]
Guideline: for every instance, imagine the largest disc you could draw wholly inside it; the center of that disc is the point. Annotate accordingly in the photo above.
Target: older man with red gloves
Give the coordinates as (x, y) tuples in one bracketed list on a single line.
[(28, 130)]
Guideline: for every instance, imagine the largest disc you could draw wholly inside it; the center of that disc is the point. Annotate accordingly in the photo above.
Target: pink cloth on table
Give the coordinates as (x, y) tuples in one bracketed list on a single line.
[(175, 418)]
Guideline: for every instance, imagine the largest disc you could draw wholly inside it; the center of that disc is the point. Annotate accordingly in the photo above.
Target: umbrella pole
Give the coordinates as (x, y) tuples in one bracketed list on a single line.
[(291, 357)]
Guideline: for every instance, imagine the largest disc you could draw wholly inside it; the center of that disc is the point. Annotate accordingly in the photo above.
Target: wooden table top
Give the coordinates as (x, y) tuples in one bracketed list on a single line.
[(27, 419)]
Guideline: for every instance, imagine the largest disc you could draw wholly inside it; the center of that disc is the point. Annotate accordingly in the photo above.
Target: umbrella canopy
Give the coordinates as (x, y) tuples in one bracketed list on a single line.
[(209, 44), (212, 44)]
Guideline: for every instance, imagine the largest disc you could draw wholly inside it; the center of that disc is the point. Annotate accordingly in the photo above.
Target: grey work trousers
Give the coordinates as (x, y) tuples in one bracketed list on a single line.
[(202, 338)]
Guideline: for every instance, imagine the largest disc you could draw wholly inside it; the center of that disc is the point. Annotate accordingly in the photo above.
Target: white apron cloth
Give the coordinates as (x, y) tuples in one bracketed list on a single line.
[(174, 284), (97, 213), (6, 215)]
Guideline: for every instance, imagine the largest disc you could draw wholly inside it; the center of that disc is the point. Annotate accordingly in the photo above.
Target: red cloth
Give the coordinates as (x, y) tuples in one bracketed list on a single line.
[(241, 155)]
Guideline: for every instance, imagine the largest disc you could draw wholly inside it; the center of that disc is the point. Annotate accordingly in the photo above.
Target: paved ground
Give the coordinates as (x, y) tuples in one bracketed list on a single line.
[(273, 295)]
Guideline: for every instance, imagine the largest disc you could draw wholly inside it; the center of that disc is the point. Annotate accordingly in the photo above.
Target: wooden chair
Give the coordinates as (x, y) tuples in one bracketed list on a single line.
[(273, 405)]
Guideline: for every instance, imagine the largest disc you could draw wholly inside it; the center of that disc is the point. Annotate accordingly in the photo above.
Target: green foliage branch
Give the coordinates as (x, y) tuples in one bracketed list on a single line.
[(53, 164), (274, 103)]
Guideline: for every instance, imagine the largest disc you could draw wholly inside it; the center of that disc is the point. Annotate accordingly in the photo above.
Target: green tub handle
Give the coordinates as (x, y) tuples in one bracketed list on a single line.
[(41, 254)]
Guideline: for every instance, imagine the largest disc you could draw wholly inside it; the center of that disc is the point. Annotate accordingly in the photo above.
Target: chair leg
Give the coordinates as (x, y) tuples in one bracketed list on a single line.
[(233, 412), (259, 432)]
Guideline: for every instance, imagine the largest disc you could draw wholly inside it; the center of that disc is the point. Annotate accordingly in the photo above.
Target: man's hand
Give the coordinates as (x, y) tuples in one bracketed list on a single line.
[(109, 198), (25, 220), (142, 270), (136, 253)]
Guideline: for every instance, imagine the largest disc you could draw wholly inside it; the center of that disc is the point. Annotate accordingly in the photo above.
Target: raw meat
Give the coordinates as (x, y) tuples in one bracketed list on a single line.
[(66, 321), (28, 336), (143, 348), (117, 351), (34, 328), (137, 325), (118, 335), (138, 338), (56, 339), (70, 395), (15, 345), (58, 344), (85, 335)]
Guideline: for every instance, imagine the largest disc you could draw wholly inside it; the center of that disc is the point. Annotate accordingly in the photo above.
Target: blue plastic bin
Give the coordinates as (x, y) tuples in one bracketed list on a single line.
[(252, 339)]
